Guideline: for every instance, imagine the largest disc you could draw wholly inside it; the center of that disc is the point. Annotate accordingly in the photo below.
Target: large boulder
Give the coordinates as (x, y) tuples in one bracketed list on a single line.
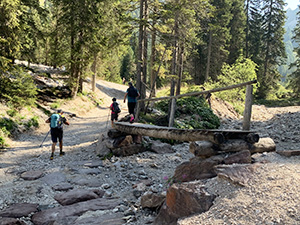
[(184, 200), (239, 174), (161, 148), (197, 169), (152, 200)]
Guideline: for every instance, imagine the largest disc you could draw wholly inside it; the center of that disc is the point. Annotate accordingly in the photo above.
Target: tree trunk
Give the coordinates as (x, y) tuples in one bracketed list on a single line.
[(214, 136), (208, 57), (152, 60), (140, 48), (94, 72), (180, 70)]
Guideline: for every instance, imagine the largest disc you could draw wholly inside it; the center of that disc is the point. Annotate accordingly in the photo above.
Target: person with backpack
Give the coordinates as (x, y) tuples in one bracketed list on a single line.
[(115, 110), (132, 94), (56, 121)]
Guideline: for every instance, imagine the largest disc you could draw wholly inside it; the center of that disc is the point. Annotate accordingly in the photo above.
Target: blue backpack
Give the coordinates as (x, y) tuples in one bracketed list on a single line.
[(56, 121)]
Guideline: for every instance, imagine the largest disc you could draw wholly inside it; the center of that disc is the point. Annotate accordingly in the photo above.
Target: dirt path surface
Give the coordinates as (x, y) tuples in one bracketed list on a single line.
[(271, 197)]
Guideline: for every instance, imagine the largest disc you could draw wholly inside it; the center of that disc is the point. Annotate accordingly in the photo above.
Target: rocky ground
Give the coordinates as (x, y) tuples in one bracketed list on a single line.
[(271, 197)]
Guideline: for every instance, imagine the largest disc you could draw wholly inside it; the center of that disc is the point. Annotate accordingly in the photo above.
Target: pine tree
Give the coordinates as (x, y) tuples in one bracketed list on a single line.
[(273, 49), (294, 78)]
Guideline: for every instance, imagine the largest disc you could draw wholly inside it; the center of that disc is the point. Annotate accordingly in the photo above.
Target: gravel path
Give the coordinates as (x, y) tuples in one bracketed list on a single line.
[(272, 196)]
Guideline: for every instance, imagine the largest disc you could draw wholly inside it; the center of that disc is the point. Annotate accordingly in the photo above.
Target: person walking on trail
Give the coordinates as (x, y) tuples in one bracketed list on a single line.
[(115, 110), (132, 94), (56, 121)]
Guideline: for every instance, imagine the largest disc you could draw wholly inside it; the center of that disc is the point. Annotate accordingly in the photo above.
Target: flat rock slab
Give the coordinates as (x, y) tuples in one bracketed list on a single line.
[(289, 153), (89, 171), (62, 187), (11, 221), (237, 174), (51, 215), (32, 175), (93, 182), (54, 178), (161, 148), (112, 219), (19, 210), (75, 196), (93, 164)]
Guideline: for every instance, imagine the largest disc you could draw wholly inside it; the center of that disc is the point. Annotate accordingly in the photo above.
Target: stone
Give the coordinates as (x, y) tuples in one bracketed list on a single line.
[(105, 219), (196, 169), (138, 139), (93, 164), (74, 196), (19, 210), (62, 187), (161, 148), (54, 178), (49, 216), (93, 182), (239, 157), (31, 175), (128, 150), (152, 200), (264, 145), (89, 171), (237, 173), (11, 221), (203, 149), (183, 200), (102, 149), (289, 153), (123, 141)]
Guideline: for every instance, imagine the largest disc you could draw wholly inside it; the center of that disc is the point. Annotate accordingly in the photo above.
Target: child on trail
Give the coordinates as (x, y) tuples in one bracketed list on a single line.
[(115, 110), (56, 121)]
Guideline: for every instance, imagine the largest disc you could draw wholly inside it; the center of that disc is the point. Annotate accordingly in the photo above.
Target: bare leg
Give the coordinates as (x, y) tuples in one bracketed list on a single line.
[(52, 150), (61, 146)]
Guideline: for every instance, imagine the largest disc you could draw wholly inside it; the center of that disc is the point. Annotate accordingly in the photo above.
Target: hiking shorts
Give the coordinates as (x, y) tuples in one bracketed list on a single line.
[(131, 106), (114, 116), (56, 133)]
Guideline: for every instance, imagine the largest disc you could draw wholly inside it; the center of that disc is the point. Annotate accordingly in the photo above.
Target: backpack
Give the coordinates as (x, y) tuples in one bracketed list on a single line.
[(132, 92), (56, 121), (116, 108)]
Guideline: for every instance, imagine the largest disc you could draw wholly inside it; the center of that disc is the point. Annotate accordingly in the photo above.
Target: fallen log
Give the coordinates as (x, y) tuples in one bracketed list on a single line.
[(214, 136), (170, 133), (206, 149)]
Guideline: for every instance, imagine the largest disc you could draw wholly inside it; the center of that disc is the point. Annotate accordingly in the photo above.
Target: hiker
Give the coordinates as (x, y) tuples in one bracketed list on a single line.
[(124, 80), (115, 110), (56, 121), (131, 94)]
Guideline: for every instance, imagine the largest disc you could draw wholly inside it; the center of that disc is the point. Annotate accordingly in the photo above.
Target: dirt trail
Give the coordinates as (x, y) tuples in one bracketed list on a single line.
[(276, 182)]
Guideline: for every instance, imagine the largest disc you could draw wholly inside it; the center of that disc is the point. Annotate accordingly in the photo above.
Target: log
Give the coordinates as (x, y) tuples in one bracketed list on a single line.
[(214, 136), (206, 149), (199, 93)]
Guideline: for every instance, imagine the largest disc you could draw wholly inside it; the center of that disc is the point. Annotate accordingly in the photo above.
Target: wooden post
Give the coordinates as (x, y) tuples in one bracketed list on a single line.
[(248, 107), (172, 112)]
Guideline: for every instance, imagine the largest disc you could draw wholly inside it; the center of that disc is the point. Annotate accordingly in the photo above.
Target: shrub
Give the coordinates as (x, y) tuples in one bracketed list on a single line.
[(201, 116), (17, 88)]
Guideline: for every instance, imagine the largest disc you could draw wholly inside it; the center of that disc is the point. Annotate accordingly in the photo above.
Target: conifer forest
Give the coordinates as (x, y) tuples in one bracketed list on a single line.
[(155, 43)]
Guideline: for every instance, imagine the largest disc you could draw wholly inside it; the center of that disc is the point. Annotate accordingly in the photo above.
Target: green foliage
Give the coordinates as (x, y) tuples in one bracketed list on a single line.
[(199, 115), (241, 71), (33, 122), (7, 125), (17, 88)]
